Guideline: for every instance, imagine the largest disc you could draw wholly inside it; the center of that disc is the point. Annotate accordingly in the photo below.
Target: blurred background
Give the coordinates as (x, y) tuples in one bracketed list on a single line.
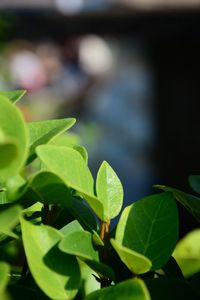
[(128, 70)]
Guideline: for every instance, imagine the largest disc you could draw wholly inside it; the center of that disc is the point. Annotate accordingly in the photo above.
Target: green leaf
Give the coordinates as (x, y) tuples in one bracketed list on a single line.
[(69, 165), (8, 150), (45, 131), (56, 273), (170, 288), (68, 139), (194, 181), (190, 202), (50, 188), (13, 96), (127, 290), (137, 263), (79, 243), (82, 150), (150, 227), (187, 252), (109, 191), (19, 191), (13, 139), (71, 227), (96, 239), (4, 270), (15, 187), (9, 218)]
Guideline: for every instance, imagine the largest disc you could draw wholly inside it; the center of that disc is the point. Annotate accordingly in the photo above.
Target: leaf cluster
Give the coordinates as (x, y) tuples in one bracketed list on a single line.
[(55, 236)]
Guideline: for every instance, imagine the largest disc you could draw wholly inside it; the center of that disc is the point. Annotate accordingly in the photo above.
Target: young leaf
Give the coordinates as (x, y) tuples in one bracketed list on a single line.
[(109, 191), (45, 131), (13, 96), (13, 140), (56, 273), (4, 270), (127, 290), (187, 252), (150, 227), (190, 202), (137, 263), (69, 165)]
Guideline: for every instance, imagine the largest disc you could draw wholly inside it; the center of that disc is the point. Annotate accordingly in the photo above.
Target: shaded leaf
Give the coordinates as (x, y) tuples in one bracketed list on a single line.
[(13, 139), (195, 283), (172, 269), (4, 270), (136, 262), (82, 212), (9, 218), (127, 290), (8, 150), (194, 181), (109, 191), (56, 273), (45, 131), (50, 188), (170, 288), (148, 225), (190, 202)]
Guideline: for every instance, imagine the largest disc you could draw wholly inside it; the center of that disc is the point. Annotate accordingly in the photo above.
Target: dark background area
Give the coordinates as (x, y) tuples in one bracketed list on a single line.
[(172, 45)]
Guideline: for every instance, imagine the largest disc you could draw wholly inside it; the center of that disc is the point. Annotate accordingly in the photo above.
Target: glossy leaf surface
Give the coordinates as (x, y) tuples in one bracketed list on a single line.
[(148, 225), (56, 273), (109, 191)]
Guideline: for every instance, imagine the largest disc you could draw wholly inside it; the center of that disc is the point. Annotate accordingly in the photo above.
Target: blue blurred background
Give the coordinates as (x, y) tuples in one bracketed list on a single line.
[(128, 70)]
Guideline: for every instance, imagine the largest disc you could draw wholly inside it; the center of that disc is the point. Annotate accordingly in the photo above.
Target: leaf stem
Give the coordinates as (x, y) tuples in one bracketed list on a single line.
[(103, 251)]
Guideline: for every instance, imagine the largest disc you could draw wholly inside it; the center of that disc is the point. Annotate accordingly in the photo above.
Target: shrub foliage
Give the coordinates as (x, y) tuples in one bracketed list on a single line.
[(55, 236)]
